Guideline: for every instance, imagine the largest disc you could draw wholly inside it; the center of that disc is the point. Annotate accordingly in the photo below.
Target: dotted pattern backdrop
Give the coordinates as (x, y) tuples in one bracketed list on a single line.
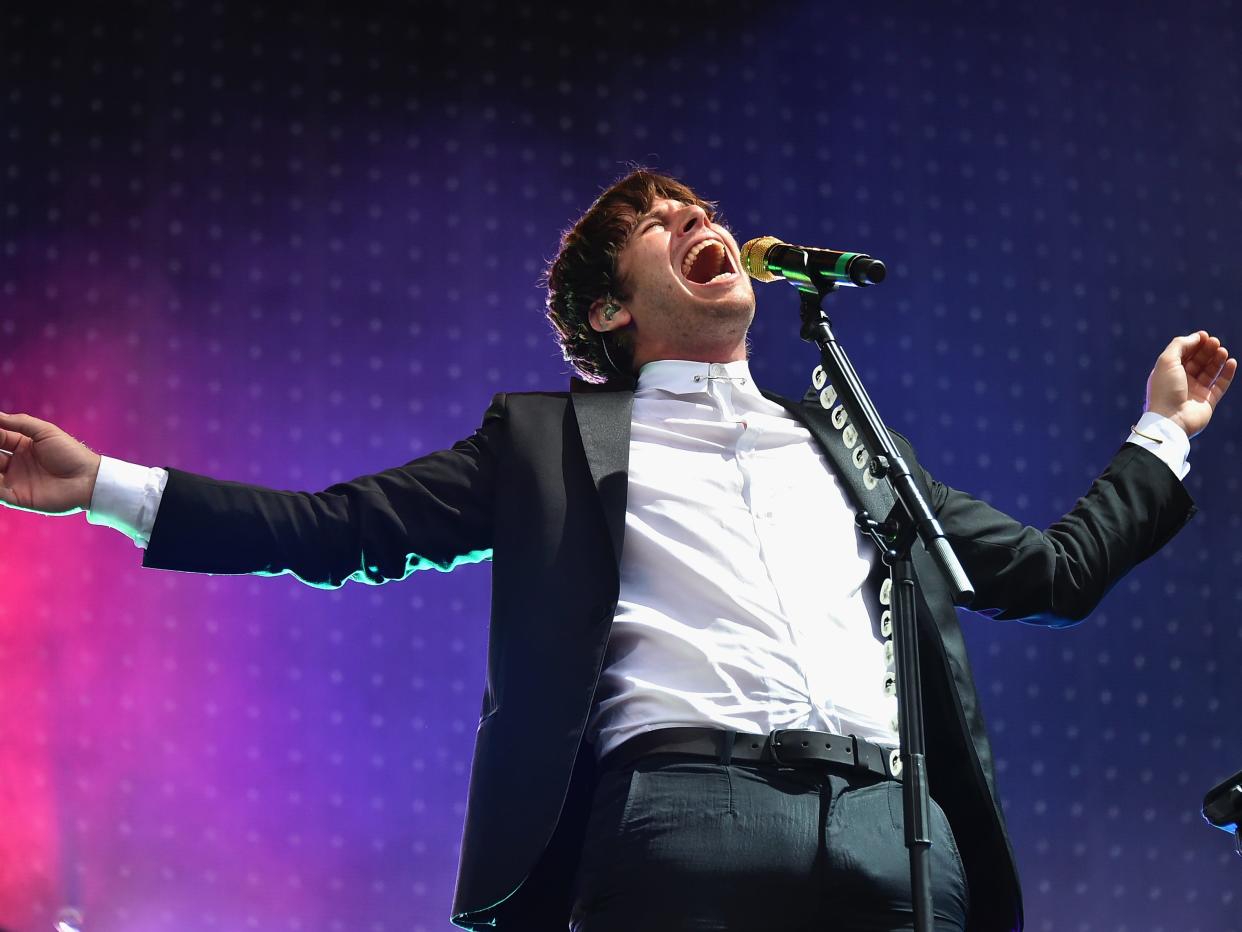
[(293, 247)]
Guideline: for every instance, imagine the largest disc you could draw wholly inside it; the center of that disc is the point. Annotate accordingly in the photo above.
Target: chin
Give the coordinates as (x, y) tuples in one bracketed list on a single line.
[(739, 304)]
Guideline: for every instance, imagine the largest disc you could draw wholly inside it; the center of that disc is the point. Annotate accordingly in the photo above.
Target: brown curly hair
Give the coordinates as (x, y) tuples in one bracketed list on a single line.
[(585, 270)]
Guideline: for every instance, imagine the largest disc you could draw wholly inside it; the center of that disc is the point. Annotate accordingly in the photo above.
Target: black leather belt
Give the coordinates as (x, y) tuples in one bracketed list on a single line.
[(785, 747)]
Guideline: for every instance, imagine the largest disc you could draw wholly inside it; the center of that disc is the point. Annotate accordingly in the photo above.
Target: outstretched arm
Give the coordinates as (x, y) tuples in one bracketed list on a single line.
[(1058, 575), (434, 512)]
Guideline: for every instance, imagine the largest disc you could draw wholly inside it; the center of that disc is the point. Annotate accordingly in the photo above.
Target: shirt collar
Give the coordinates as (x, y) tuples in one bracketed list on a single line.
[(682, 377)]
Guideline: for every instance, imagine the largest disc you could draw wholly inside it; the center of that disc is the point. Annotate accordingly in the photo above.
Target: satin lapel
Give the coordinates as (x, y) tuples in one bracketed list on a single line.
[(877, 501), (604, 425)]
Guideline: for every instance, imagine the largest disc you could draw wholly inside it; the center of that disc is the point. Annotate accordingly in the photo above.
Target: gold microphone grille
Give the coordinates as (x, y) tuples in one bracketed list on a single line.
[(753, 254)]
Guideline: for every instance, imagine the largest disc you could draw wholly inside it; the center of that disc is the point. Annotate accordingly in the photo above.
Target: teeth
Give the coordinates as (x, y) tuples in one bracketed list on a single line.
[(693, 254)]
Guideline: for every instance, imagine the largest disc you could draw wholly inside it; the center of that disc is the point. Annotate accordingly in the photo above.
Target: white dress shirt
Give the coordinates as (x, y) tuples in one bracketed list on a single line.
[(742, 602)]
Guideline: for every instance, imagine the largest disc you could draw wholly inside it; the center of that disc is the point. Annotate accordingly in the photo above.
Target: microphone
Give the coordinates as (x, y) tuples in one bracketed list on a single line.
[(766, 259)]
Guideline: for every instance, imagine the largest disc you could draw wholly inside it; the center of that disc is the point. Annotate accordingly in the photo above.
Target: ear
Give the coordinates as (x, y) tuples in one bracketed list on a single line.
[(600, 324)]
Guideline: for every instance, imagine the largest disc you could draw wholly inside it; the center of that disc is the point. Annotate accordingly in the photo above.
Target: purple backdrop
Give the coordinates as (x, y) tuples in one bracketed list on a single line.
[(293, 248)]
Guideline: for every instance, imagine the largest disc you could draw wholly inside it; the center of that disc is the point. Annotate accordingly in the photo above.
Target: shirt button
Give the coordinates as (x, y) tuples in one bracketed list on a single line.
[(717, 371)]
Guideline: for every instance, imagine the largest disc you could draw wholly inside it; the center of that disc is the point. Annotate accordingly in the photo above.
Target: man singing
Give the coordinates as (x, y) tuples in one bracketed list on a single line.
[(665, 600)]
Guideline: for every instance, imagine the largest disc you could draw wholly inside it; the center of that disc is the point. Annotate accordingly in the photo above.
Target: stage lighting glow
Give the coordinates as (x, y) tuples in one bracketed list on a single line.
[(68, 920)]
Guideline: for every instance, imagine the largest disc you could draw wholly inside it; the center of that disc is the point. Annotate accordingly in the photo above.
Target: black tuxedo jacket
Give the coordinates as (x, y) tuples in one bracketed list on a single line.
[(541, 488)]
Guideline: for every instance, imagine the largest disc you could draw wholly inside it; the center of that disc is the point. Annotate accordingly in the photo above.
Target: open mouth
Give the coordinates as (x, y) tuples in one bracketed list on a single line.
[(707, 262)]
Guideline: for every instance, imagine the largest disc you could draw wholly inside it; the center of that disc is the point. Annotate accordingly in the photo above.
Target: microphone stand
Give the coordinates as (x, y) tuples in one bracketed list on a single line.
[(894, 537)]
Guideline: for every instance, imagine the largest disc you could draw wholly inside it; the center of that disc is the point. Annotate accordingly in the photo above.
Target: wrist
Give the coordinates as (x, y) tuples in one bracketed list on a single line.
[(1173, 416), (1161, 436), (90, 482)]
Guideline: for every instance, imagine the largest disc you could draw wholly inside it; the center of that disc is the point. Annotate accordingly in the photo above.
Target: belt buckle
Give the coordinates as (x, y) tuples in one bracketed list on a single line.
[(774, 742)]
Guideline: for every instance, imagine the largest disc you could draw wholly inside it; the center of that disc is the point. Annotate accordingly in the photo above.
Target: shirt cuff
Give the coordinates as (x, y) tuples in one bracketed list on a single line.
[(127, 497), (1165, 439)]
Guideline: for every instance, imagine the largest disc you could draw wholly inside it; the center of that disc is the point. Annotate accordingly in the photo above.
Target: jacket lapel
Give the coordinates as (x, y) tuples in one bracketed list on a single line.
[(604, 425), (848, 460)]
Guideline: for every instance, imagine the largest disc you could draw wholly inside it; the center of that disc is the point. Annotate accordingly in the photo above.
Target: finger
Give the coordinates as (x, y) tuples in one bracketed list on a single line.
[(1223, 381), (1188, 342), (23, 424), (1208, 345), (1202, 356), (1180, 348), (10, 440), (1206, 366)]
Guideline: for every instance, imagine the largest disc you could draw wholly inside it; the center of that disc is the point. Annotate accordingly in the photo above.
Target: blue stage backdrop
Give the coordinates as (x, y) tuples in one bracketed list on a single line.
[(294, 247)]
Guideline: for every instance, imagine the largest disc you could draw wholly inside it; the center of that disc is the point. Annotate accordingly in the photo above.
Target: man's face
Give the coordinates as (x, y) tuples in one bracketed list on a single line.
[(687, 297)]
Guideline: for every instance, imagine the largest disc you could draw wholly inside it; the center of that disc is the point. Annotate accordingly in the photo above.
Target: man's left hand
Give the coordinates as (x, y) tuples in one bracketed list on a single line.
[(1189, 379)]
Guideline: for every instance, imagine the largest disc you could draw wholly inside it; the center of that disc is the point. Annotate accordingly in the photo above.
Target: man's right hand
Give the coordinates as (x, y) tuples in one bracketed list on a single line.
[(42, 468)]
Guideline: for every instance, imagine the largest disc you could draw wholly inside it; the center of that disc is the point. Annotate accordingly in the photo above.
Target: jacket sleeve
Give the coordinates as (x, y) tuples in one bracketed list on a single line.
[(434, 512), (1058, 576)]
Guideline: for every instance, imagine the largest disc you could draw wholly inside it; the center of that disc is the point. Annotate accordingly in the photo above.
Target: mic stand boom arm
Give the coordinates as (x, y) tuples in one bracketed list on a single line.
[(912, 520)]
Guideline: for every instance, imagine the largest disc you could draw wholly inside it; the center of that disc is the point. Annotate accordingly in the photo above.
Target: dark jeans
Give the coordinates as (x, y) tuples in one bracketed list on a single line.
[(680, 844)]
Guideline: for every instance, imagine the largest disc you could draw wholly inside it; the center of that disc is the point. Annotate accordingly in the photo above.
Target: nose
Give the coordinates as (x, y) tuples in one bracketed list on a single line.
[(690, 218)]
